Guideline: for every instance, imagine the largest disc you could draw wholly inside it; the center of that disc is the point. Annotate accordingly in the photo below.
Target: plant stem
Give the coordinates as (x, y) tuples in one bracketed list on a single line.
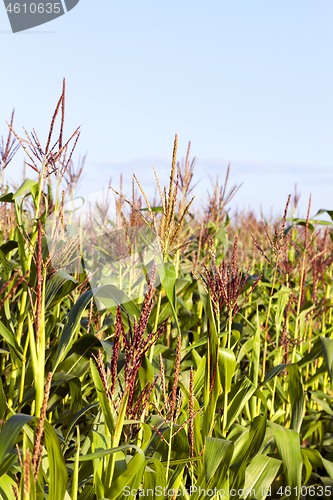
[(266, 326), (151, 353)]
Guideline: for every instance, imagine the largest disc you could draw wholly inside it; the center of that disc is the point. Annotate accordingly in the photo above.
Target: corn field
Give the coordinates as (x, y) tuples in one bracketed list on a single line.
[(171, 352)]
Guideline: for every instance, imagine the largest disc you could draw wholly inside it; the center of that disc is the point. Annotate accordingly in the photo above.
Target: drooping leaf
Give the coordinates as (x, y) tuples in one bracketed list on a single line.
[(7, 197), (57, 287), (27, 184), (10, 338), (9, 432), (323, 210), (273, 372), (8, 246)]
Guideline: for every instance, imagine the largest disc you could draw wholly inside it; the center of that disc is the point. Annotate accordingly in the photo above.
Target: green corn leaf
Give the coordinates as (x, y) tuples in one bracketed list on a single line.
[(67, 336), (236, 435), (7, 198), (177, 477), (57, 466), (6, 488), (316, 460), (89, 493), (8, 463), (260, 474), (254, 363), (282, 297), (297, 397), (307, 464), (5, 265), (217, 458), (252, 442), (75, 480), (287, 442), (255, 357), (217, 452), (102, 398), (181, 461), (8, 246), (132, 476), (146, 372), (246, 390), (327, 347), (323, 210), (134, 469), (27, 184), (204, 340), (10, 431), (111, 296), (324, 406), (227, 365), (3, 402), (245, 350), (78, 415), (199, 377), (153, 209), (211, 392), (57, 287), (157, 478), (273, 372), (10, 338)]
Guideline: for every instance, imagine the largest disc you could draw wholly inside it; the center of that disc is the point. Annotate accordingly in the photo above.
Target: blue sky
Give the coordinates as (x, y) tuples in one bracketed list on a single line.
[(247, 82)]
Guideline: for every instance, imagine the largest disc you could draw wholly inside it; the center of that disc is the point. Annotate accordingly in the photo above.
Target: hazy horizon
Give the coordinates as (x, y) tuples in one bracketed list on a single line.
[(251, 177)]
